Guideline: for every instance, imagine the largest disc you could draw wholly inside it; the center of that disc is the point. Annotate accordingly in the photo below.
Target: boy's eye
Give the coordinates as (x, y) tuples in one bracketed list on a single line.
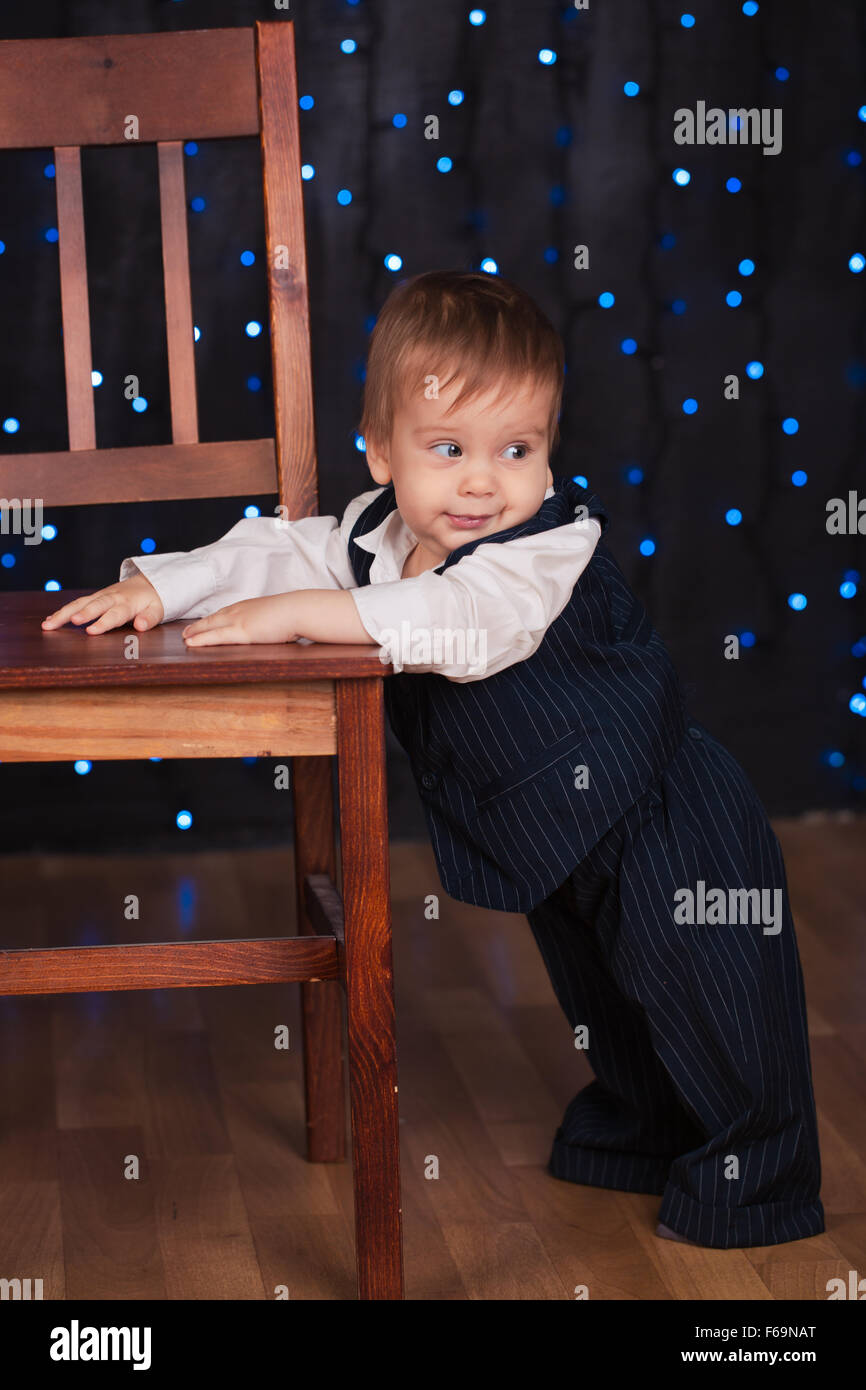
[(451, 445)]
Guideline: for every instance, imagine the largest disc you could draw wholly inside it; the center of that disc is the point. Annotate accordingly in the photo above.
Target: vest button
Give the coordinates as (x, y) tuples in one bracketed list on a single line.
[(429, 779), (695, 733)]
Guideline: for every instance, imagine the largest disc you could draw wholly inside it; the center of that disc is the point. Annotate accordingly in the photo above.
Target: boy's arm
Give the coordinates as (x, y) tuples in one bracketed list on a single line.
[(258, 557), (497, 602)]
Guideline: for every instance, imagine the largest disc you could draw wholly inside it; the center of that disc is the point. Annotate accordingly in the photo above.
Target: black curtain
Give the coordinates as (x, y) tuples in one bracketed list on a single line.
[(546, 156)]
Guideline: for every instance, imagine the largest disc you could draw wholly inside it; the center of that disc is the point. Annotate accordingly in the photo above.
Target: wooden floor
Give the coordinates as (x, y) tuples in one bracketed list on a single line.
[(189, 1083)]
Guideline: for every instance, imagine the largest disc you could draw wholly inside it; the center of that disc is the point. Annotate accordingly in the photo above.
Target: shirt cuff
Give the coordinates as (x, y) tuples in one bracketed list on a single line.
[(377, 605), (182, 581)]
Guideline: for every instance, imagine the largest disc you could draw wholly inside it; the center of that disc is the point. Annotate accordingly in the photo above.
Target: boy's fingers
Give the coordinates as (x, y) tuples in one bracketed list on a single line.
[(113, 616), (62, 615), (211, 637)]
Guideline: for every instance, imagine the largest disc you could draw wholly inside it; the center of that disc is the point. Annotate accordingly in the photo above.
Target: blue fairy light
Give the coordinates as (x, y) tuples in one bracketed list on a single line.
[(51, 234), (248, 258), (746, 266), (455, 97), (797, 602), (344, 196), (606, 299), (799, 478), (857, 704), (183, 820), (755, 370), (49, 532), (11, 425), (306, 103), (679, 306), (477, 17), (733, 299), (148, 545), (399, 120), (647, 547), (308, 171), (443, 164), (747, 639), (190, 148), (690, 405), (631, 89), (546, 56), (733, 185), (197, 203), (140, 404), (82, 766), (848, 589), (790, 426), (750, 7), (253, 328), (348, 45), (782, 74), (834, 758), (628, 346), (733, 516), (856, 263), (254, 383), (681, 177), (393, 261), (634, 476), (490, 266), (687, 21), (580, 480)]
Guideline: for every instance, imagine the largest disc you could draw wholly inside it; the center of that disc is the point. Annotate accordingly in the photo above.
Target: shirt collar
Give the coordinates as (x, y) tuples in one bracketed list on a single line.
[(390, 542)]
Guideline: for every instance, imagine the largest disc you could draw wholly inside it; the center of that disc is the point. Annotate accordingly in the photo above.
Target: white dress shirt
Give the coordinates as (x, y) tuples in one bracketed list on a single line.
[(510, 591)]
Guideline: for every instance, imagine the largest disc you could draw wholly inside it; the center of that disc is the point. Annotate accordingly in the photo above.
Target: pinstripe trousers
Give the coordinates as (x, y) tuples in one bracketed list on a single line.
[(696, 1033)]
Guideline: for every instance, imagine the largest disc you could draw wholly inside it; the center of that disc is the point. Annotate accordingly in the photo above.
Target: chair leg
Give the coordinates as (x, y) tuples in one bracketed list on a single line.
[(321, 1002), (369, 988)]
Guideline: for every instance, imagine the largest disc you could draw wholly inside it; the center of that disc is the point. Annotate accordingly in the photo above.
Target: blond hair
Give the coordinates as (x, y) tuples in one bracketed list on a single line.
[(455, 324)]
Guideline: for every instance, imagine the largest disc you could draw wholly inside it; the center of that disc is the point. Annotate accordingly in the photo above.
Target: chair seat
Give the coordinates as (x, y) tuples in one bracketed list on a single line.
[(31, 658)]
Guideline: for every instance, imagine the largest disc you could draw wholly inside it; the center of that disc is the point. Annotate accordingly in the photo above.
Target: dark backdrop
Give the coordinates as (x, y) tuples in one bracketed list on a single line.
[(544, 156)]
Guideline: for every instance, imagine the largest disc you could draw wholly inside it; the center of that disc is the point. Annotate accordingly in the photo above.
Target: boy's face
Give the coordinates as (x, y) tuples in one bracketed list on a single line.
[(487, 461)]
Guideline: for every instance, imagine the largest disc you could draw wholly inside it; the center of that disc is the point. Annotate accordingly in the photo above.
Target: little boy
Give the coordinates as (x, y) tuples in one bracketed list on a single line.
[(559, 772)]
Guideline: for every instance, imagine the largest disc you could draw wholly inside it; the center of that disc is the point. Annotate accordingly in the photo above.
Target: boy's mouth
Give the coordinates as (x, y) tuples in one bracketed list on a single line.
[(468, 523)]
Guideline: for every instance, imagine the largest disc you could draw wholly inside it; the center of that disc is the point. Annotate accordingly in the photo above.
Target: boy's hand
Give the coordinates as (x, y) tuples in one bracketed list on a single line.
[(251, 620), (133, 598)]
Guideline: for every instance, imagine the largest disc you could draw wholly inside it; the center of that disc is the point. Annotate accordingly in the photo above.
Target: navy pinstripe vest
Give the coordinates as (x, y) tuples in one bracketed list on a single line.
[(498, 761)]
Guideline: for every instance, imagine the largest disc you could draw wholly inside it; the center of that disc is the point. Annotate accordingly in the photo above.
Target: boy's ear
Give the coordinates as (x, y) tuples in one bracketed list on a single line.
[(377, 463)]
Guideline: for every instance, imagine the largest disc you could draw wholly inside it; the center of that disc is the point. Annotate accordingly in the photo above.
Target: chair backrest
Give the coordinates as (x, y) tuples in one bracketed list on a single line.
[(208, 83)]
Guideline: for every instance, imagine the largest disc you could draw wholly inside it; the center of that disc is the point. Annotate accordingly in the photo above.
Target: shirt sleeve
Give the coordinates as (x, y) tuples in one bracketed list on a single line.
[(259, 556), (490, 610)]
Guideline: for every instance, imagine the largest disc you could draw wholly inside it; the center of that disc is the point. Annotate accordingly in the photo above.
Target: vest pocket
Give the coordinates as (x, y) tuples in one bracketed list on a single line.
[(527, 770)]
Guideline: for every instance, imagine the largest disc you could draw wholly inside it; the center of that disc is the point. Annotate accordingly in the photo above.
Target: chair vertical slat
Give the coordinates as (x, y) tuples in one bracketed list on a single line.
[(369, 979), (73, 298), (287, 270), (322, 1002), (178, 303)]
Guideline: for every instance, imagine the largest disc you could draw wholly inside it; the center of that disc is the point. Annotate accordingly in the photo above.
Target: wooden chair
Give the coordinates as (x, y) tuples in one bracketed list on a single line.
[(65, 695)]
